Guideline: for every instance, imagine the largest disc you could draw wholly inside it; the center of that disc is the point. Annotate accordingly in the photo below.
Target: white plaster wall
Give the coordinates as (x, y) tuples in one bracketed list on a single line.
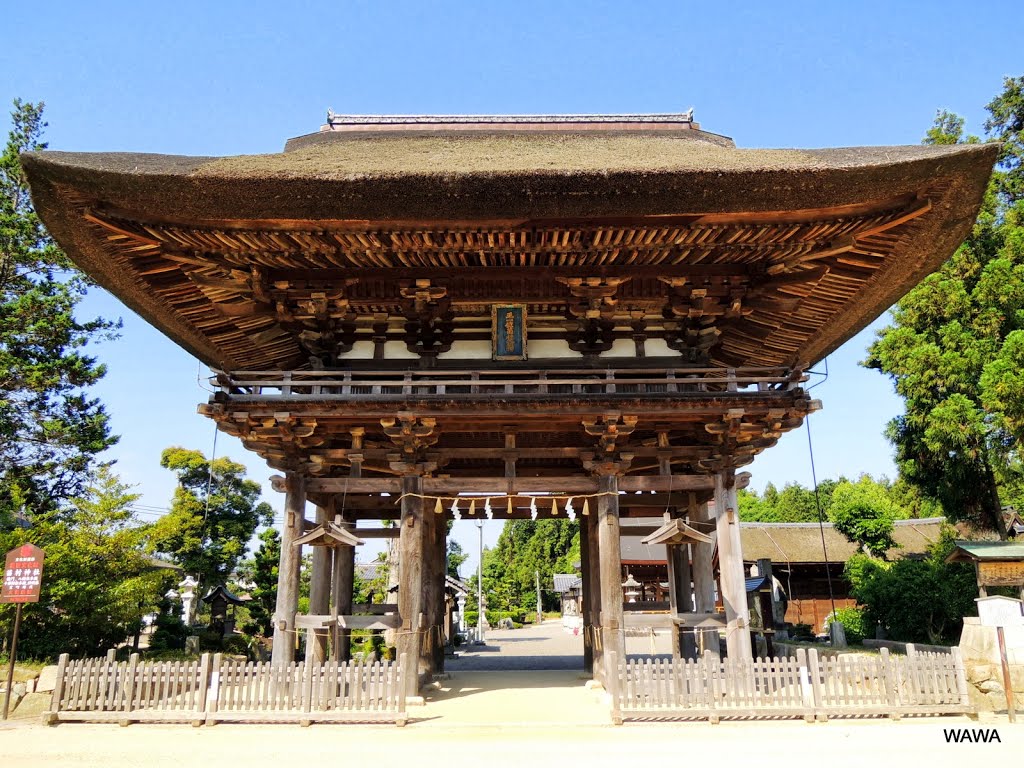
[(548, 348), (467, 350), (396, 350), (657, 348), (361, 350), (621, 348)]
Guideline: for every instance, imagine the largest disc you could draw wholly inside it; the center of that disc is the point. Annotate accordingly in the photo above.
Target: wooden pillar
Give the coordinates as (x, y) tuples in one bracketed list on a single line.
[(702, 572), (703, 568), (410, 580), (432, 588), (440, 605), (586, 593), (612, 639), (679, 597), (730, 564), (593, 580), (344, 577), (319, 597), (288, 570)]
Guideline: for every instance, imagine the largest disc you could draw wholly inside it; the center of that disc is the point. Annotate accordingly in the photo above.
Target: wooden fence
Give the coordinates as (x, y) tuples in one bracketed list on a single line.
[(215, 689), (805, 686)]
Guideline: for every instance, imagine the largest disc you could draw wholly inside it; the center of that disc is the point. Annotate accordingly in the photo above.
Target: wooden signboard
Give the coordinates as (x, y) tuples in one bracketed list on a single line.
[(1001, 573), (23, 575), (508, 331), (23, 578)]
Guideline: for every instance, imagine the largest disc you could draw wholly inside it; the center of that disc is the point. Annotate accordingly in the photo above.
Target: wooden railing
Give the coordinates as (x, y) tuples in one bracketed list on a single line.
[(242, 386), (216, 689), (802, 686)]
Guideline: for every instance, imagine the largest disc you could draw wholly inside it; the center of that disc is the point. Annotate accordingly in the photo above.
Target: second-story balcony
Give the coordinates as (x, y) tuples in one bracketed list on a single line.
[(556, 384)]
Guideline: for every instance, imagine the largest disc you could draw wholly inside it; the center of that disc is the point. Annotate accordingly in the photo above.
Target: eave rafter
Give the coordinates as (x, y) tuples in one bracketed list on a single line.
[(730, 289), (335, 438)]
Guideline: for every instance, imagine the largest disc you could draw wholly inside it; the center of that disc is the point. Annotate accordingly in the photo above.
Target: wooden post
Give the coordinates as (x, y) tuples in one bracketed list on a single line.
[(702, 573), (614, 686), (612, 641), (344, 576), (680, 598), (1007, 682), (672, 566), (586, 593), (703, 554), (440, 550), (319, 597), (410, 580), (50, 718), (730, 563), (432, 588), (14, 656), (593, 580), (778, 613), (288, 571)]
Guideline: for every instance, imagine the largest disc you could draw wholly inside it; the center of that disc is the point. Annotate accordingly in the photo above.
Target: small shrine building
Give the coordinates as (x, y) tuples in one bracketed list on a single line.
[(595, 316)]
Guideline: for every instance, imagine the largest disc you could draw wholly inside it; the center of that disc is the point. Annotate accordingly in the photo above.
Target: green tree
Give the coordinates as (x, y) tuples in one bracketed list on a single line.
[(955, 340), (214, 514), (525, 547), (916, 600), (456, 557), (97, 580), (864, 512), (50, 430), (793, 504), (260, 572)]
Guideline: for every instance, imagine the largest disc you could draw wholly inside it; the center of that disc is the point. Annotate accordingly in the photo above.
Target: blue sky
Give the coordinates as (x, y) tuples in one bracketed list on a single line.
[(213, 78)]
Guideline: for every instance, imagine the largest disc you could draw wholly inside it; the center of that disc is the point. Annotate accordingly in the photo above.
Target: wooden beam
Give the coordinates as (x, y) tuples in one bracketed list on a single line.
[(378, 533), (498, 486)]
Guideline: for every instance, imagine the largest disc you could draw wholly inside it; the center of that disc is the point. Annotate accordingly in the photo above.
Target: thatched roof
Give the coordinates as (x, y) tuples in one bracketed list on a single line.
[(800, 542), (164, 232)]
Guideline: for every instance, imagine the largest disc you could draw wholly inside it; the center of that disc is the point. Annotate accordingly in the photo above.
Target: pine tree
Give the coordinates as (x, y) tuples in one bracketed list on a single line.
[(50, 429)]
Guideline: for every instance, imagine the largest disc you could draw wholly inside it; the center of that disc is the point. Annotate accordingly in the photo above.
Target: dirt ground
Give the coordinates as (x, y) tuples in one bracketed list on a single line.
[(430, 743)]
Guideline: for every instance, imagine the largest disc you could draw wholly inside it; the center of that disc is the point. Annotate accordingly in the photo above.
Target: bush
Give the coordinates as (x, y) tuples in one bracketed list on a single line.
[(211, 640), (802, 632), (517, 616), (917, 601), (171, 655), (169, 633), (852, 620), (237, 645)]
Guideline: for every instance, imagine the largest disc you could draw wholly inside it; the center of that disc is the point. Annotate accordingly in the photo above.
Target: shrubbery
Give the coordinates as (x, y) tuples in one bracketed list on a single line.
[(852, 620), (916, 600)]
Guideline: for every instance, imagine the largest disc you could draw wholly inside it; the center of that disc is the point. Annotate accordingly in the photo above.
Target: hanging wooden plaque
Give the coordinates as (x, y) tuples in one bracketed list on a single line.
[(508, 331)]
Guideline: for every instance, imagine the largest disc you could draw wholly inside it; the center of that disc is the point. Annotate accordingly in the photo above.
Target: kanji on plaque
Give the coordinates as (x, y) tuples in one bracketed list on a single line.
[(23, 575)]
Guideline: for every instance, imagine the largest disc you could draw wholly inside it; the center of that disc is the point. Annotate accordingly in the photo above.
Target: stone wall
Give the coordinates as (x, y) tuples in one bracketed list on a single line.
[(979, 647)]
